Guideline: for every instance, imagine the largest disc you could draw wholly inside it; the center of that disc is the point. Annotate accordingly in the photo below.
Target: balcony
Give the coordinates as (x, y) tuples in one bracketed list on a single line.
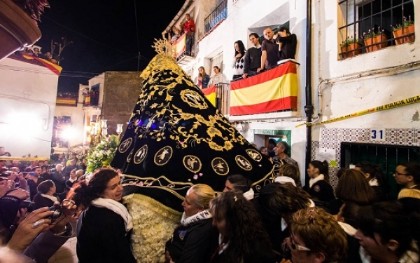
[(218, 15), (271, 93)]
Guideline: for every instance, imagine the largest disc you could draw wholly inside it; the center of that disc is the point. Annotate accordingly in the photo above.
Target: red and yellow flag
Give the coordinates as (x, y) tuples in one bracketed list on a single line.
[(270, 91), (210, 94)]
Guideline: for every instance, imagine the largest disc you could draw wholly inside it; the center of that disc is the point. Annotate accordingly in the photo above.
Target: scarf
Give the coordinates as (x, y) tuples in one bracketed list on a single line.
[(249, 195), (205, 214), (117, 208), (52, 198), (312, 181)]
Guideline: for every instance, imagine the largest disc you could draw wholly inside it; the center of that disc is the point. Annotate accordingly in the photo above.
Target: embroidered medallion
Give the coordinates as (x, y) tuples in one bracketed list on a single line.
[(129, 156), (254, 154), (243, 163), (220, 166), (163, 156), (193, 99), (125, 145), (192, 163), (141, 154)]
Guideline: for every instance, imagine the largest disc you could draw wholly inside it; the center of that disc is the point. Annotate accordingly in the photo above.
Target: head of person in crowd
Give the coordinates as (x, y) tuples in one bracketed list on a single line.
[(59, 167), (316, 168), (47, 187), (37, 171), (387, 233), (239, 49), (277, 200), (239, 183), (353, 187), (282, 149), (104, 183), (284, 31), (290, 171), (353, 191), (255, 39), (242, 234), (372, 172), (264, 150), (271, 146), (197, 199), (316, 237), (407, 174), (268, 33)]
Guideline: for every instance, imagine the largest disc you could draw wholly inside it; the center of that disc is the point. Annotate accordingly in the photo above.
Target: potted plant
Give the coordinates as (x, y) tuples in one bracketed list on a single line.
[(375, 39), (350, 47), (404, 32), (19, 27)]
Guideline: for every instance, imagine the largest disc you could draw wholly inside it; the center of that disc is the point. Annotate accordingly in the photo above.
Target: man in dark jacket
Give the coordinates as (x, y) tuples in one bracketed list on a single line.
[(252, 60)]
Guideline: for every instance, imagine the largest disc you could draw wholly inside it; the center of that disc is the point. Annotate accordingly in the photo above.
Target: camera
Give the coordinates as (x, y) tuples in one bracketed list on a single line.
[(57, 212)]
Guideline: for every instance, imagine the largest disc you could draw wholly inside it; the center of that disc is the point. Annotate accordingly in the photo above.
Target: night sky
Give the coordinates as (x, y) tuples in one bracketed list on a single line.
[(104, 35)]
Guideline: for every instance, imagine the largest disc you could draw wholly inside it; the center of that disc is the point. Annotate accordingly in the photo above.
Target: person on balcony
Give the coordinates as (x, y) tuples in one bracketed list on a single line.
[(189, 30), (218, 77), (175, 34), (238, 60), (203, 78), (269, 51), (252, 58), (287, 43)]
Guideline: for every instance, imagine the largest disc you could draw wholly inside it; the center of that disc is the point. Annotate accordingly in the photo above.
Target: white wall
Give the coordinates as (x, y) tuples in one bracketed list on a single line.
[(27, 104)]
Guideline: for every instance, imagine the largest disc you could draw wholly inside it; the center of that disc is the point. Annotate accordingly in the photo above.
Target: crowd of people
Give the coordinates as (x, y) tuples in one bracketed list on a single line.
[(258, 58), (282, 222)]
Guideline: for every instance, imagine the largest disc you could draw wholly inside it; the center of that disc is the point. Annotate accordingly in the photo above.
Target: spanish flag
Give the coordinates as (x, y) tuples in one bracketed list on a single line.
[(270, 91), (210, 94)]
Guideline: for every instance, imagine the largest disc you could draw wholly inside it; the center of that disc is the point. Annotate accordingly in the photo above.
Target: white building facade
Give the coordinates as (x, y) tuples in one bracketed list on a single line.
[(371, 99)]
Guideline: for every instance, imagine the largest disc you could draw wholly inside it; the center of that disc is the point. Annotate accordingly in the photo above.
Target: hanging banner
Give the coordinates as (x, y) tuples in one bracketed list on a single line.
[(273, 90), (388, 106)]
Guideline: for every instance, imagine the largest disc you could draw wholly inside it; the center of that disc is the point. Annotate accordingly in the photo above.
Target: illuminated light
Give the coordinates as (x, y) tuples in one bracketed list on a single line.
[(68, 133)]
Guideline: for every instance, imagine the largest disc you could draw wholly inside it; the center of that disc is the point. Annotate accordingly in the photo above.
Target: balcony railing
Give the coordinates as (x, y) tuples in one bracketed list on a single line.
[(271, 91), (216, 17)]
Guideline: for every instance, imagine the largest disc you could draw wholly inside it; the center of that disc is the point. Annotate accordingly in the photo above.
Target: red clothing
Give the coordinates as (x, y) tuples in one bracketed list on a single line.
[(189, 26)]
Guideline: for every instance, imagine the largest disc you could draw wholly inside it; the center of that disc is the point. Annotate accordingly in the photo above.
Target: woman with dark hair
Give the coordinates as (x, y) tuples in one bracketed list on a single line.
[(354, 192), (238, 61), (375, 178), (239, 183), (387, 233), (105, 226), (276, 204), (319, 188), (242, 237), (46, 195)]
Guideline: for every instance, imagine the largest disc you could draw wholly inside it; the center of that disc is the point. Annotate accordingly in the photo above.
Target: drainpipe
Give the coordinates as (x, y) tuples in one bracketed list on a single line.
[(309, 108)]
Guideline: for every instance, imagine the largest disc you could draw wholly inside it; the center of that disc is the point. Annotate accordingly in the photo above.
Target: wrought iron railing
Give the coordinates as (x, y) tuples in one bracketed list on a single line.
[(216, 17)]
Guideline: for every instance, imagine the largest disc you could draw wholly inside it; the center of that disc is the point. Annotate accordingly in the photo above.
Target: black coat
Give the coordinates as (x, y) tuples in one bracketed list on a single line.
[(101, 237), (193, 243)]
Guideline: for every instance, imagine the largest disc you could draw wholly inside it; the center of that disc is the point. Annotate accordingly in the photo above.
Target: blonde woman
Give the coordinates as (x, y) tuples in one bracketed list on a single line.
[(195, 238)]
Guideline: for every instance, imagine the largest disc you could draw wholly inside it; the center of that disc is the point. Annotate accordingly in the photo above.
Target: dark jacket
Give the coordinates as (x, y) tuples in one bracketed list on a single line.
[(40, 201), (252, 60), (322, 194), (193, 243), (101, 237), (288, 46)]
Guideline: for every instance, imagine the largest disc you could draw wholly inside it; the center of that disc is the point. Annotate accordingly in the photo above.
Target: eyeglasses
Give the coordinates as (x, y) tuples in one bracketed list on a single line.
[(293, 246), (397, 173)]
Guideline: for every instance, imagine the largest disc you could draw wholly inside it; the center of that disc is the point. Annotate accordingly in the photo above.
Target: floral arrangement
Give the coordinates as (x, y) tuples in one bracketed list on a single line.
[(102, 153), (348, 41), (34, 8), (406, 22), (372, 32)]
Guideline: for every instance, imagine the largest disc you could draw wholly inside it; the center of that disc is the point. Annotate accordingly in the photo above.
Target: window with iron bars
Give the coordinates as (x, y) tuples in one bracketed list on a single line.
[(369, 25)]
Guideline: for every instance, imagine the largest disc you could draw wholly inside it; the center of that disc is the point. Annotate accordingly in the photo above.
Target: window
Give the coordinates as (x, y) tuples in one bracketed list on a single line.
[(359, 20)]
